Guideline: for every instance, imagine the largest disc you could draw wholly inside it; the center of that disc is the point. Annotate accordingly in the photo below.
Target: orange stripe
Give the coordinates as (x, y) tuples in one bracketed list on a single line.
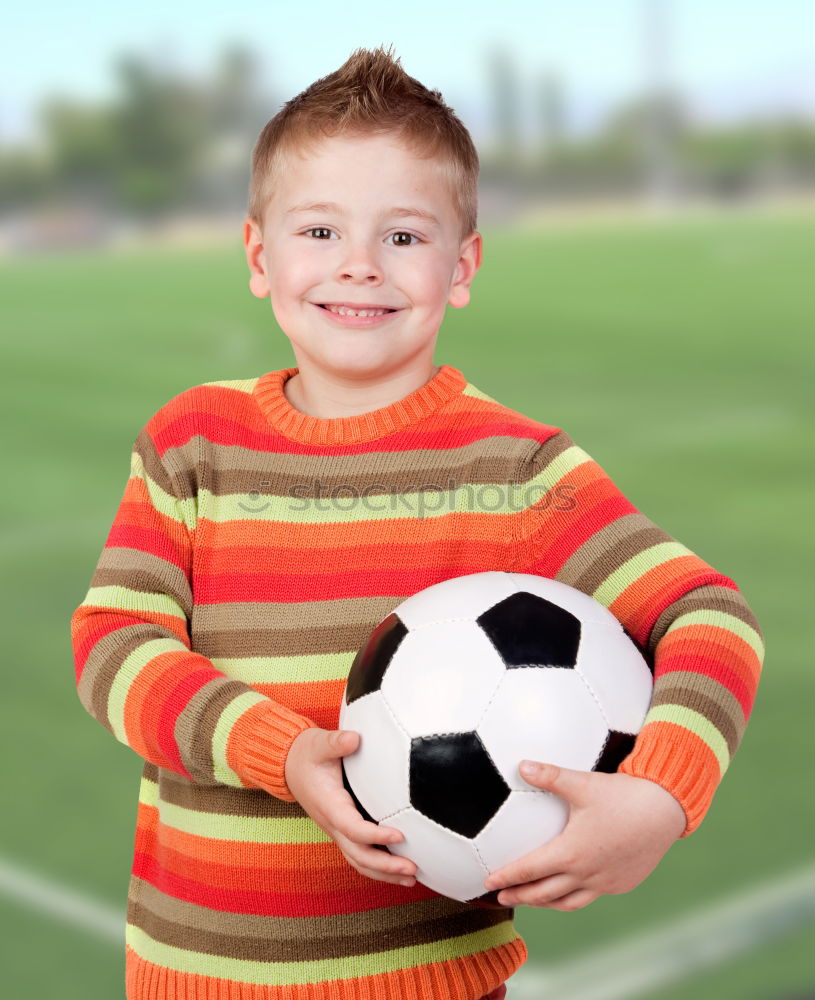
[(645, 598), (730, 649), (158, 676), (666, 752), (330, 537), (450, 979), (238, 865)]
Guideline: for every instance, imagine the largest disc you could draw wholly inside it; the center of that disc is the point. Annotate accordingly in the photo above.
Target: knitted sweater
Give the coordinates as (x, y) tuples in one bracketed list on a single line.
[(253, 551)]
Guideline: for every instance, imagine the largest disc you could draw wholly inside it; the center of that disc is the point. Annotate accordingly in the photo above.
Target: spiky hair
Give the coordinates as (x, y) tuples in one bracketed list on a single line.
[(369, 94)]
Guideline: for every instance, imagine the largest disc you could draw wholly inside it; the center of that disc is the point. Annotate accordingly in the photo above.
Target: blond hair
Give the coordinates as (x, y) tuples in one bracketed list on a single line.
[(369, 94)]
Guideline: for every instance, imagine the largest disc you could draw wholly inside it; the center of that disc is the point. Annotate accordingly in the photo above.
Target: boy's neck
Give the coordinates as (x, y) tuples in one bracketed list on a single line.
[(314, 393)]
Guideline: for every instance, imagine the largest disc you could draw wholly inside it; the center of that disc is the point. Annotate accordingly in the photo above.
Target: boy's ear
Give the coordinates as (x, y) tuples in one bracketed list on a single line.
[(468, 264), (253, 244)]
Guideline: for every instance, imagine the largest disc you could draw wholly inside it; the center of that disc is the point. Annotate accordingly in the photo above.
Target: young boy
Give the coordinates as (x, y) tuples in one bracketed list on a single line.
[(269, 523)]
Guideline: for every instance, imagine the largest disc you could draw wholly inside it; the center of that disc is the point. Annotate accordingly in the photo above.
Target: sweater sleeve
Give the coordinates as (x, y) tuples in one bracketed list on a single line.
[(693, 625), (136, 672)]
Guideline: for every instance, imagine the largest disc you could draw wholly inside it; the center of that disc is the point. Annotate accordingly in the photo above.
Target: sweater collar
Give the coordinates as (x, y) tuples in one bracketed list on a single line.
[(278, 411)]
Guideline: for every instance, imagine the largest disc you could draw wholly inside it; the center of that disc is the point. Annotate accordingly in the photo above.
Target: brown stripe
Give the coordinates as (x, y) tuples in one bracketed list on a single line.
[(221, 799), (195, 726), (239, 470), (705, 598), (142, 571), (293, 928), (256, 639), (606, 551), (263, 939), (104, 661), (252, 629), (150, 771), (178, 472), (693, 691), (542, 454)]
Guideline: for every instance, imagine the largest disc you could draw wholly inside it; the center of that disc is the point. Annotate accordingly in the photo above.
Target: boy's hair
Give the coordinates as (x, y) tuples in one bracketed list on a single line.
[(369, 94)]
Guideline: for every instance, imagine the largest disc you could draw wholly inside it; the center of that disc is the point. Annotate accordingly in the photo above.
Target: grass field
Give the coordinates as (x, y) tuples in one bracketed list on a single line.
[(678, 354)]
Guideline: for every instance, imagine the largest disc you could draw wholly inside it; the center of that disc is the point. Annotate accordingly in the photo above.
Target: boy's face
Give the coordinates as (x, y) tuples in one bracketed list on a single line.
[(357, 246)]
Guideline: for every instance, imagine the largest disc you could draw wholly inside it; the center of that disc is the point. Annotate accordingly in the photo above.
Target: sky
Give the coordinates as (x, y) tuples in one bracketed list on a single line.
[(731, 58)]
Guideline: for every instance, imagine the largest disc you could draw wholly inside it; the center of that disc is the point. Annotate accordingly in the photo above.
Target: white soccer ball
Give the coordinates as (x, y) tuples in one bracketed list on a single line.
[(461, 682)]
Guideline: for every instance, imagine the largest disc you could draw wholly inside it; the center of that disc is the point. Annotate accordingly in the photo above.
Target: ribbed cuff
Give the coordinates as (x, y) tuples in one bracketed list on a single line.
[(262, 745), (677, 768)]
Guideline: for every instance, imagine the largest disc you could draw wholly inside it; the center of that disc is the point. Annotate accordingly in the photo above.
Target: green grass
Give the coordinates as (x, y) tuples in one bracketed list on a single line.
[(679, 355)]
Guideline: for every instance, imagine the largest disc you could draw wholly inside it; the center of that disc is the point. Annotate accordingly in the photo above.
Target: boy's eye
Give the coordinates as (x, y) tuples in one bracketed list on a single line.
[(318, 229), (403, 239)]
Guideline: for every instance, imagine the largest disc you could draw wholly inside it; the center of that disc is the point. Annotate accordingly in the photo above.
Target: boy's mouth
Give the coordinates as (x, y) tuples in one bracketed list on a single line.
[(343, 309)]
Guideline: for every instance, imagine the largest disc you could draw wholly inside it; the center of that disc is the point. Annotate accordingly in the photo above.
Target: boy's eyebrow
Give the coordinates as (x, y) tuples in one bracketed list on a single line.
[(330, 206)]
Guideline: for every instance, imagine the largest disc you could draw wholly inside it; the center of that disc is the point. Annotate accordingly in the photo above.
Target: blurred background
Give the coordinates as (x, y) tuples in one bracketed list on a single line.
[(647, 200)]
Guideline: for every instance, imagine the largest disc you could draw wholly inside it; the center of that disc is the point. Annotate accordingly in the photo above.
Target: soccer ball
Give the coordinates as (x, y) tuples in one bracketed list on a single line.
[(461, 682)]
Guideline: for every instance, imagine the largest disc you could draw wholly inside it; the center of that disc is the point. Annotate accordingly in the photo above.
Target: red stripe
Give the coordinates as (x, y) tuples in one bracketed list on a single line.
[(136, 536), (714, 669), (106, 621), (580, 529), (449, 431), (323, 903), (660, 600), (172, 705), (268, 587)]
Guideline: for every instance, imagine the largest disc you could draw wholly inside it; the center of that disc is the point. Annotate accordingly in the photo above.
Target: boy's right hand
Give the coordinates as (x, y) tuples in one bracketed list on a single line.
[(314, 776)]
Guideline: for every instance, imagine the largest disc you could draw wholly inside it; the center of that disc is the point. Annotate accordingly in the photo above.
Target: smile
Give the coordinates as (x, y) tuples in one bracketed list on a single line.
[(360, 317), (342, 310)]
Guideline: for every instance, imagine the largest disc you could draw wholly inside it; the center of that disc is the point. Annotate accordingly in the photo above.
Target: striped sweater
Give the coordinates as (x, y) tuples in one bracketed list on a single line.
[(253, 551)]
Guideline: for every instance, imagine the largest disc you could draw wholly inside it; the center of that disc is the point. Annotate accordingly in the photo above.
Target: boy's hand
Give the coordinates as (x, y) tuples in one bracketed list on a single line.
[(314, 776), (619, 827)]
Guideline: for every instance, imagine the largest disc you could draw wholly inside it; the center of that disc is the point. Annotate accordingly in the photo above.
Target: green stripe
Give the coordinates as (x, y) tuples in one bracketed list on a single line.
[(636, 567), (475, 498), (257, 829), (148, 791), (125, 599), (130, 669), (721, 619), (547, 477), (470, 390), (239, 705), (318, 971), (286, 669), (241, 384), (182, 511), (699, 724)]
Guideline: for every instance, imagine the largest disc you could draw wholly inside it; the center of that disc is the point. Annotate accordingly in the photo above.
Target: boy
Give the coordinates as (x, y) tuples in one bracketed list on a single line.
[(231, 595)]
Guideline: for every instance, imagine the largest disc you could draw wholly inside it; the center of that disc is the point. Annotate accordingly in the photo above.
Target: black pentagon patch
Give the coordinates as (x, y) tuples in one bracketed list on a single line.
[(617, 747), (454, 782), (357, 803), (529, 631), (371, 662)]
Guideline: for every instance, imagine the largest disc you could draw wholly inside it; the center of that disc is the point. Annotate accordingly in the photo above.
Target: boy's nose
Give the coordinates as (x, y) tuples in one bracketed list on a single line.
[(360, 263)]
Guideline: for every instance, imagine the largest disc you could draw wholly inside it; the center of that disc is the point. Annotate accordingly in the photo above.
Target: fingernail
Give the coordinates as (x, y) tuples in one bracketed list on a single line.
[(406, 882), (529, 767)]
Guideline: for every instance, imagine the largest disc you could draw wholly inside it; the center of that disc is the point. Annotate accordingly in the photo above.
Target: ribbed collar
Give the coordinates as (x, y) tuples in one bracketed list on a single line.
[(268, 391)]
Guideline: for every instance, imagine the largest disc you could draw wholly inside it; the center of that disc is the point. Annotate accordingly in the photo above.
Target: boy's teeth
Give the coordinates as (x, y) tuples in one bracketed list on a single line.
[(345, 311)]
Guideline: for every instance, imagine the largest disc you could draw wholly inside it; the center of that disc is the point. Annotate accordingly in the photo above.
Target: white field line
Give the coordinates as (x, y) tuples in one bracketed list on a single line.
[(628, 968), (621, 970), (68, 905)]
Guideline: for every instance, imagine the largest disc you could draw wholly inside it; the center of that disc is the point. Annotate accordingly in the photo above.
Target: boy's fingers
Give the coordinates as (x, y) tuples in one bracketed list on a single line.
[(563, 781), (529, 868), (344, 741), (376, 863), (361, 831)]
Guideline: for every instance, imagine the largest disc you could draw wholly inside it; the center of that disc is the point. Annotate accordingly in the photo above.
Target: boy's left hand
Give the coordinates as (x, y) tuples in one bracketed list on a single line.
[(619, 828)]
